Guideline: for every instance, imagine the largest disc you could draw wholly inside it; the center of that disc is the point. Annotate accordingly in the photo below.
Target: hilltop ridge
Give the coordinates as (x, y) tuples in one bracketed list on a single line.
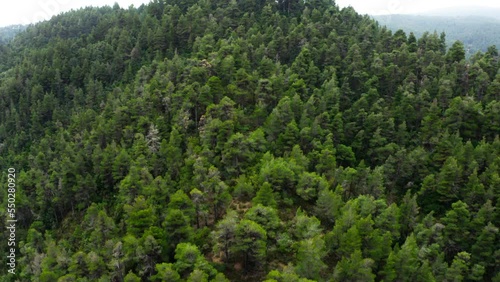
[(476, 32)]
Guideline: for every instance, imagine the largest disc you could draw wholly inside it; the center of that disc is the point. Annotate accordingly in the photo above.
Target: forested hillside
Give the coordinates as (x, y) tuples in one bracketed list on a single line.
[(476, 32), (277, 141), (7, 33)]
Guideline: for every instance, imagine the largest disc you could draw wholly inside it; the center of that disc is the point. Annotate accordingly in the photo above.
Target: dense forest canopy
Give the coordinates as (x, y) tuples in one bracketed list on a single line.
[(197, 140)]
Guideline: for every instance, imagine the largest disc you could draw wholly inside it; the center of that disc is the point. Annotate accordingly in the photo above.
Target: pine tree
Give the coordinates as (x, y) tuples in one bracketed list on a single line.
[(224, 235), (265, 196), (266, 217), (166, 272), (139, 216), (250, 242), (309, 258), (328, 206), (354, 268)]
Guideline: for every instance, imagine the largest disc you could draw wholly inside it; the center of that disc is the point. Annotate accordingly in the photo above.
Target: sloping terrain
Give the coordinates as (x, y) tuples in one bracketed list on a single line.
[(7, 33), (247, 141)]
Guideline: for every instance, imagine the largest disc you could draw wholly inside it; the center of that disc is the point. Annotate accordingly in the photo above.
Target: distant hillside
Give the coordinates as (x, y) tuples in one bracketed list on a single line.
[(9, 32), (487, 12), (477, 33)]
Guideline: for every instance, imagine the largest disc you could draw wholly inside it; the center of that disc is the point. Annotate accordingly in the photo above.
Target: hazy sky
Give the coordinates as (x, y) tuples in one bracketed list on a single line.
[(383, 7), (30, 11)]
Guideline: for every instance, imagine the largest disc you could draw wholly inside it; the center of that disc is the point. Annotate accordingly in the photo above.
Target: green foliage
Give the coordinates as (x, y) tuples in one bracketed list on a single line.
[(131, 277), (309, 185), (304, 226), (354, 268), (177, 228), (139, 216), (279, 173), (166, 272), (250, 242), (224, 235), (266, 217), (265, 196), (189, 259), (309, 258), (280, 140), (288, 274), (328, 205), (404, 263)]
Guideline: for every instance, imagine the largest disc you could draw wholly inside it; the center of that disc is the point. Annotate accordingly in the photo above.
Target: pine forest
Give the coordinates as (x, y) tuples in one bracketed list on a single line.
[(246, 140)]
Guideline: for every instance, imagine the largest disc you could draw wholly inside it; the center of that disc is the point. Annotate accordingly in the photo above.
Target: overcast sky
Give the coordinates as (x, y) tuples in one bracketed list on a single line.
[(384, 7), (30, 11)]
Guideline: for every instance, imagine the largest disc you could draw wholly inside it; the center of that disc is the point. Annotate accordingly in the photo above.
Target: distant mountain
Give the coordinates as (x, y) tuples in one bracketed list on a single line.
[(476, 32), (9, 32), (485, 12)]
